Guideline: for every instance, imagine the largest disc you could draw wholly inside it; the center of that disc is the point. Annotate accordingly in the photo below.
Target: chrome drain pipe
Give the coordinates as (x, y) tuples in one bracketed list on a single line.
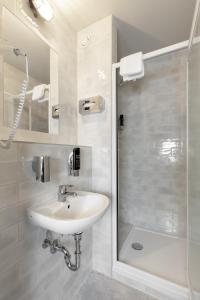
[(56, 246)]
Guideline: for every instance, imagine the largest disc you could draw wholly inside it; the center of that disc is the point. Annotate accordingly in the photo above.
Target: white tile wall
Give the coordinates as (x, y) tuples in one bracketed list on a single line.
[(94, 78), (152, 147), (29, 269)]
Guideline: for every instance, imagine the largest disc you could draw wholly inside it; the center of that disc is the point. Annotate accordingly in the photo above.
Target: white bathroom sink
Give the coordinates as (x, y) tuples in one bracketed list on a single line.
[(74, 216)]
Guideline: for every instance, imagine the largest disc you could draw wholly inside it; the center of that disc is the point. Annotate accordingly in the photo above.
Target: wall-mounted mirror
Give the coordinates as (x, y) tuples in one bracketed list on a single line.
[(42, 89)]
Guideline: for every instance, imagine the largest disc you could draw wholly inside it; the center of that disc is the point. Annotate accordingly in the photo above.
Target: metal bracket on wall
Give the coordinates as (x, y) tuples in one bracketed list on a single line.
[(55, 111)]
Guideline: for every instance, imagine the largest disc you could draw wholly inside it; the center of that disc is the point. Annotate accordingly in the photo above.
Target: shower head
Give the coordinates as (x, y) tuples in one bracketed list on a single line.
[(18, 52), (6, 49)]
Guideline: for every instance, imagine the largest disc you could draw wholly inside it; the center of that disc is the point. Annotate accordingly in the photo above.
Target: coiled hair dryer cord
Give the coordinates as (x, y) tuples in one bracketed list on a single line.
[(22, 96)]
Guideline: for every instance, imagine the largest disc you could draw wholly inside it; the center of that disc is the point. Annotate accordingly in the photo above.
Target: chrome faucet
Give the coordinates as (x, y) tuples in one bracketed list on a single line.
[(63, 192)]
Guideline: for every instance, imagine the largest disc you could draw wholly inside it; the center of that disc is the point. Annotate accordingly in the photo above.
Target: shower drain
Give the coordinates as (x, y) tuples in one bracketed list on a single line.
[(137, 246)]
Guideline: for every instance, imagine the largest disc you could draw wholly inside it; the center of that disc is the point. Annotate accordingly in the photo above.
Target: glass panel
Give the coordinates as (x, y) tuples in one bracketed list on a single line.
[(152, 169), (194, 161)]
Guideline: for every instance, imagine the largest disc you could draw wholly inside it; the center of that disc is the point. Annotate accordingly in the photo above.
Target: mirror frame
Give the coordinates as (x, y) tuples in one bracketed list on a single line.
[(26, 135)]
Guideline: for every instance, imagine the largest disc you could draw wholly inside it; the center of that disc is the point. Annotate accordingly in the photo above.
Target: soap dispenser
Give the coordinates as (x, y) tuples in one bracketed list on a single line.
[(41, 167)]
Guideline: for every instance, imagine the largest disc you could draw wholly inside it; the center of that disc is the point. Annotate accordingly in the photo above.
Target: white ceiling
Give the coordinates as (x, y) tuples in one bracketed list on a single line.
[(142, 24)]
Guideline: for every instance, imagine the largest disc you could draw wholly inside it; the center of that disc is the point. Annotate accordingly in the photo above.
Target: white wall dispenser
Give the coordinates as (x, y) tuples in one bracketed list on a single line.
[(91, 105)]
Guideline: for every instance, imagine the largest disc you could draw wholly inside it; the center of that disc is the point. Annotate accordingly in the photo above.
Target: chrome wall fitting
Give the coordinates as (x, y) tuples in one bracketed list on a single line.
[(74, 162), (91, 105), (56, 246), (64, 192), (55, 111)]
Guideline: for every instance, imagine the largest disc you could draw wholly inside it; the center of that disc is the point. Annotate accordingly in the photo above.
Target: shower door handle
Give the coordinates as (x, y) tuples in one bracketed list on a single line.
[(121, 122)]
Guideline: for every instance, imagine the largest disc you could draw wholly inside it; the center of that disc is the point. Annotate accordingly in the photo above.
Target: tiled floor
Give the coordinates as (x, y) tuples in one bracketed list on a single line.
[(159, 254), (99, 287)]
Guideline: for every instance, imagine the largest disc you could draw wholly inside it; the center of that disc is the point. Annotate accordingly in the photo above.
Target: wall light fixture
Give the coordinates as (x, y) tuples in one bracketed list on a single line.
[(42, 8)]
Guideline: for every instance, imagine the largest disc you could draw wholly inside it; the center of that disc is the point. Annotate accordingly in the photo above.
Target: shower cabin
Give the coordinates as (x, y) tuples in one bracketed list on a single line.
[(156, 208)]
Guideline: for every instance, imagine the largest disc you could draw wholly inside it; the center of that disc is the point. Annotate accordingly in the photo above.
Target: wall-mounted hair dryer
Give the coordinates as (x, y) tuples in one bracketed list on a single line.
[(74, 162), (22, 96)]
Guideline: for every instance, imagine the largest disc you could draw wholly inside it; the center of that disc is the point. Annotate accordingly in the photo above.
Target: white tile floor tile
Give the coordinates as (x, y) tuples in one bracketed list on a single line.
[(99, 287)]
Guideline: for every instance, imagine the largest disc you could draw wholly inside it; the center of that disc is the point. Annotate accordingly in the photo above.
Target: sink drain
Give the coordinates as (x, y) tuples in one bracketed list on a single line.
[(137, 246)]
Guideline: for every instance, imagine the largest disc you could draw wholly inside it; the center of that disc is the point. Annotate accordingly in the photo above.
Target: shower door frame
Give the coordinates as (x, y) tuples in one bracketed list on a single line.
[(125, 273)]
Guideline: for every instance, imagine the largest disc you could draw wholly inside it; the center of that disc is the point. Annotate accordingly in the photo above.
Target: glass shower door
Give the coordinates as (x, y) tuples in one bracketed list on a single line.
[(194, 163), (152, 168)]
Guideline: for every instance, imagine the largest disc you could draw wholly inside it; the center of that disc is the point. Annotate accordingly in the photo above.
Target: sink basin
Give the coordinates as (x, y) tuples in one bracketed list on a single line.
[(74, 216)]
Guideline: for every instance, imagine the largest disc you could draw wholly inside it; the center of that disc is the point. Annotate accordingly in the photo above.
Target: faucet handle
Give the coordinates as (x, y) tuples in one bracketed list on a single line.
[(69, 186), (64, 187)]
